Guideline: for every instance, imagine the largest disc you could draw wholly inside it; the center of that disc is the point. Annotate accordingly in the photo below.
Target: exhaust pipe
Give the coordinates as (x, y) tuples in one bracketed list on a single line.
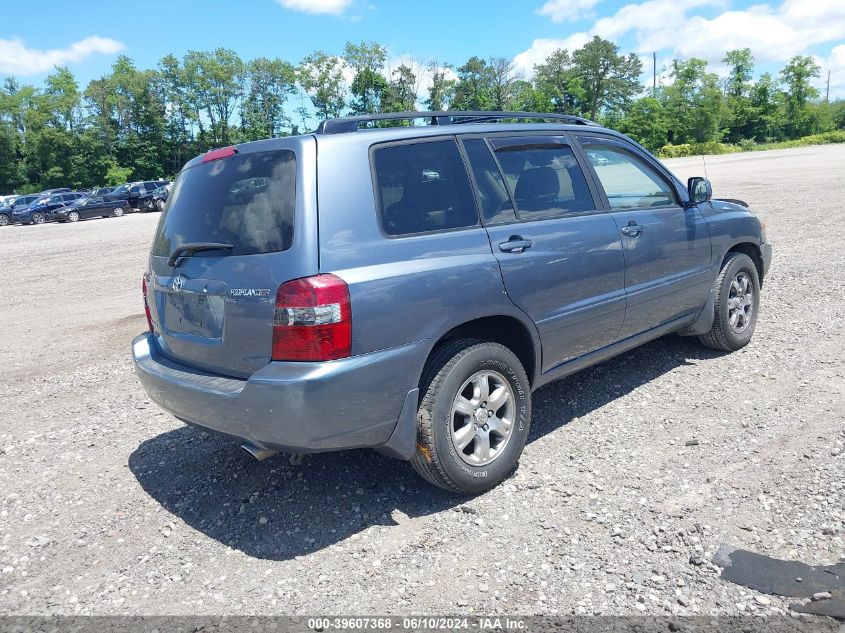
[(258, 452)]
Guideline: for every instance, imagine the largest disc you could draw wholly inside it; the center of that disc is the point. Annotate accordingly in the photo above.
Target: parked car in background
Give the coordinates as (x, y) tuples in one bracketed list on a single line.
[(16, 203), (155, 200), (90, 207), (41, 210), (102, 191), (6, 210), (132, 191), (457, 268), (48, 192)]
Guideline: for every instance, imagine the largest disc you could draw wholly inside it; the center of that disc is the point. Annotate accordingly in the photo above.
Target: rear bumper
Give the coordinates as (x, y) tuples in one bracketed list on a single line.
[(296, 406)]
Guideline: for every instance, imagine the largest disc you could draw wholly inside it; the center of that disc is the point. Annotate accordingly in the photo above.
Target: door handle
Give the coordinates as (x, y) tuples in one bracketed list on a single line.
[(632, 229), (515, 244)]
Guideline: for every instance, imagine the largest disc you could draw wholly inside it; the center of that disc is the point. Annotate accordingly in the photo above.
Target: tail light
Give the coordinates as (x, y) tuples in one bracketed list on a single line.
[(313, 320), (146, 304)]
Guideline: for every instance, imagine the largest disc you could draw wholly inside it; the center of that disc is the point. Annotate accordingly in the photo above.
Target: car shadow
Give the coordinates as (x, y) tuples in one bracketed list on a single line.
[(276, 510)]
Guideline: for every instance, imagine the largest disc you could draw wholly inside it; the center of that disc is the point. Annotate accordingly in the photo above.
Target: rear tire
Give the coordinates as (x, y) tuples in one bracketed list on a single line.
[(117, 212), (73, 216), (5, 220), (473, 417), (736, 306), (38, 218)]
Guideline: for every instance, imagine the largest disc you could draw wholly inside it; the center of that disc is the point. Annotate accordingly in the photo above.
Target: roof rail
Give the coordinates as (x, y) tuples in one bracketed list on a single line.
[(352, 123)]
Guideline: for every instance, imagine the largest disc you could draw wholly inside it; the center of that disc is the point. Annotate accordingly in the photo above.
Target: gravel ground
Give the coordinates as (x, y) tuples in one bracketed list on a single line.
[(110, 506)]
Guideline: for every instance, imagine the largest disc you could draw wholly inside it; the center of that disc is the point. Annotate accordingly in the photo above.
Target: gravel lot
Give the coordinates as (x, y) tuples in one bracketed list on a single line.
[(110, 506)]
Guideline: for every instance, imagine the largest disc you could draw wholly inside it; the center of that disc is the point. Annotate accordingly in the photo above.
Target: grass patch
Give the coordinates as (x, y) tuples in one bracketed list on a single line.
[(714, 147)]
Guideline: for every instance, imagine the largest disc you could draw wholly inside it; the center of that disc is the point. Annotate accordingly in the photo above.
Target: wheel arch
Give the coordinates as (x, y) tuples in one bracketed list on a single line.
[(753, 251), (505, 330)]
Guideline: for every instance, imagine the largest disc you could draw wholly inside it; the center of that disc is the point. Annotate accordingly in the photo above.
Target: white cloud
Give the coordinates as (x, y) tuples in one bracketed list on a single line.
[(773, 32), (567, 10), (542, 48), (333, 7), (17, 59)]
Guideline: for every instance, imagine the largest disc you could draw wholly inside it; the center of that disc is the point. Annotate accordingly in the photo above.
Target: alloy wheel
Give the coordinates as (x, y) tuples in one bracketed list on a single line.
[(482, 418), (740, 302)]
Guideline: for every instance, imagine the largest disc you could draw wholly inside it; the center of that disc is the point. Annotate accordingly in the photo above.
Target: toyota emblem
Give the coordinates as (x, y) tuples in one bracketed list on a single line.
[(178, 283)]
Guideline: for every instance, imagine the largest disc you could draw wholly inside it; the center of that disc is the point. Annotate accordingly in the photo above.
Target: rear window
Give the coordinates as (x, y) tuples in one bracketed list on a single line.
[(247, 200), (423, 187)]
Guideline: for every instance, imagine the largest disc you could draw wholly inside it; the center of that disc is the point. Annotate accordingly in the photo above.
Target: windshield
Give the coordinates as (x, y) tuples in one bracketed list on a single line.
[(121, 189), (247, 201)]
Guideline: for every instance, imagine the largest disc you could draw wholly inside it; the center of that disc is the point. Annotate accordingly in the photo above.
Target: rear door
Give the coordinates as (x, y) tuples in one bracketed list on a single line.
[(666, 245), (214, 309), (560, 255)]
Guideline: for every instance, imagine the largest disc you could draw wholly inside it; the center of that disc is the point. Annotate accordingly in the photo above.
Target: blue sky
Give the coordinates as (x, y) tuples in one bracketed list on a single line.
[(87, 35)]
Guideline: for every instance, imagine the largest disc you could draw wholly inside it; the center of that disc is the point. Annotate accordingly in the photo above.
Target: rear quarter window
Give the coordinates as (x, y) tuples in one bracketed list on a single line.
[(423, 187), (247, 200)]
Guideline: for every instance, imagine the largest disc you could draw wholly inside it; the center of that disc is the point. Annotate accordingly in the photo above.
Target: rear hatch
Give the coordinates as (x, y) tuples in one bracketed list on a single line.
[(242, 222)]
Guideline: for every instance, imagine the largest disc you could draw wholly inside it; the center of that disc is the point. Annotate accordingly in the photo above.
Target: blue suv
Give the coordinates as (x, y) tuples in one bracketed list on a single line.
[(409, 289)]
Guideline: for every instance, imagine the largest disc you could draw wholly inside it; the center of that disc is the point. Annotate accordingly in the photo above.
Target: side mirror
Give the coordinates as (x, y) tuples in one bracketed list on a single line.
[(699, 190)]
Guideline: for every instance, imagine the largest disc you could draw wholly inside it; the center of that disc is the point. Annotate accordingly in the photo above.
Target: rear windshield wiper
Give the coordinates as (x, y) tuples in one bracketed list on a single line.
[(186, 250)]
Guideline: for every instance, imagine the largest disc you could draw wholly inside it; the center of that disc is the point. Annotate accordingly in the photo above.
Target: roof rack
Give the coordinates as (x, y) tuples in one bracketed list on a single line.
[(352, 123)]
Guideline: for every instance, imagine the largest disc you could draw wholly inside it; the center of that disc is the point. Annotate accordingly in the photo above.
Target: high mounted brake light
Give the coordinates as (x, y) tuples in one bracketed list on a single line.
[(217, 154), (312, 320)]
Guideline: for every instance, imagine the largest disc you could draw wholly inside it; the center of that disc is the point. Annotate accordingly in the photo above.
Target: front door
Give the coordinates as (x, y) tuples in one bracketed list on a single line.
[(666, 244), (560, 257)]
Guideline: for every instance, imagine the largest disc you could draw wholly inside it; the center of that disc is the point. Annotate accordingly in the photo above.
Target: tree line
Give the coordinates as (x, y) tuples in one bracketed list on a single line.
[(137, 123)]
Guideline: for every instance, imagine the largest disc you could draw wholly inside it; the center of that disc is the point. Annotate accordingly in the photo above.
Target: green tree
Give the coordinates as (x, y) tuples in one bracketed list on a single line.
[(216, 79), (368, 86), (608, 80), (271, 83), (401, 92), (739, 111), (63, 93), (693, 103), (442, 88), (474, 90), (797, 77), (502, 81), (558, 83), (645, 122), (321, 76)]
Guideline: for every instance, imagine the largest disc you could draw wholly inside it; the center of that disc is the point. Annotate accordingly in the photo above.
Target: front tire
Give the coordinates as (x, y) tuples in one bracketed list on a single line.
[(5, 220), (117, 212), (736, 306), (160, 205), (73, 216), (473, 417)]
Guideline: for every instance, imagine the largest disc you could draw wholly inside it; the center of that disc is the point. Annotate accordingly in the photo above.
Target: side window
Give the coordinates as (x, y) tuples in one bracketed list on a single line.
[(136, 189), (423, 187), (628, 181), (544, 176), (496, 205), (69, 197)]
